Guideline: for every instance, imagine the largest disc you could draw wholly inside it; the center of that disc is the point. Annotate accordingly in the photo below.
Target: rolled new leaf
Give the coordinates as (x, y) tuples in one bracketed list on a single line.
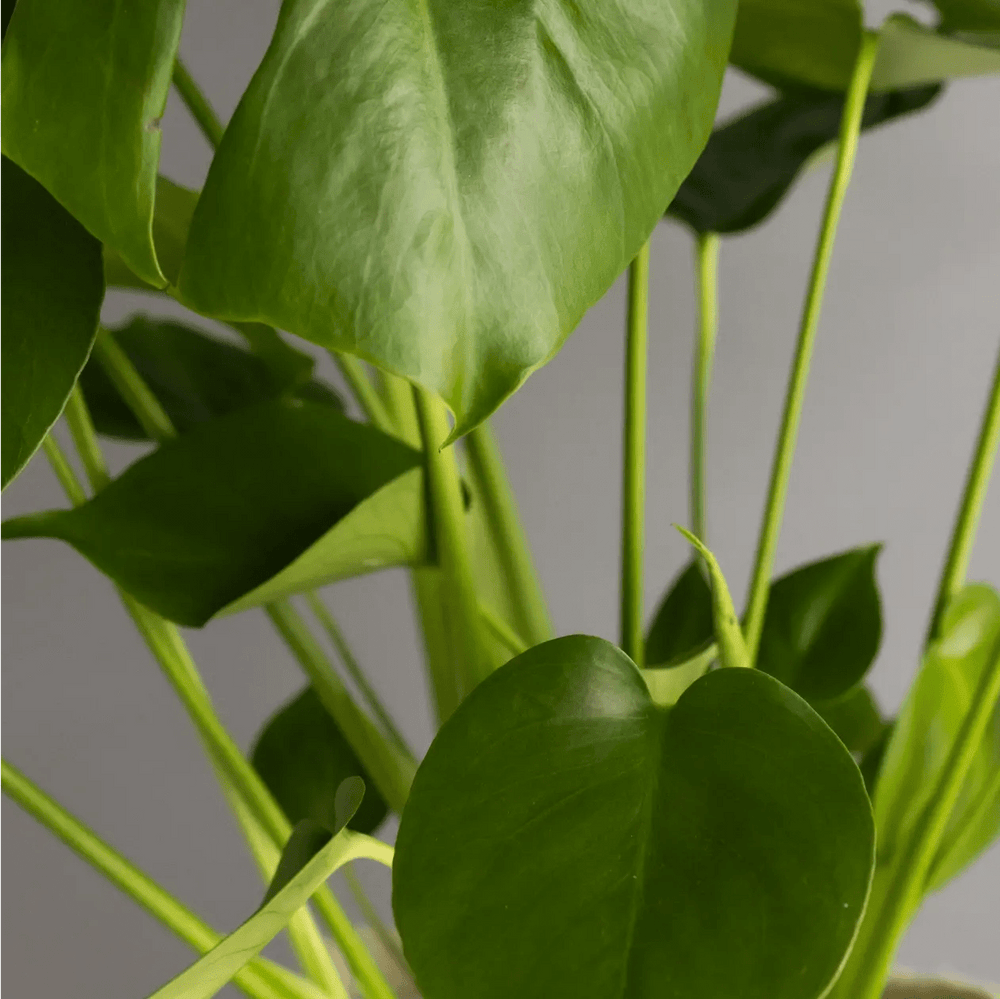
[(565, 836), (728, 633), (751, 162), (311, 855), (478, 176), (194, 376), (84, 86), (264, 502), (303, 757), (51, 295)]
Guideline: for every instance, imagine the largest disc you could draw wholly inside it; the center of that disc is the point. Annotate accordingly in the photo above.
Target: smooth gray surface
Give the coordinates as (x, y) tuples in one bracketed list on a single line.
[(905, 350)]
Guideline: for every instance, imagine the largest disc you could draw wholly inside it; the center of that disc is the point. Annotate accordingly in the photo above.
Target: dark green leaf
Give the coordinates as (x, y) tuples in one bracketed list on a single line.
[(52, 291), (194, 376), (823, 625), (750, 163), (468, 178), (911, 54), (7, 10), (303, 757), (925, 733), (798, 42), (84, 85), (566, 837), (172, 213), (969, 15), (252, 506), (683, 624), (855, 718), (310, 857), (871, 761)]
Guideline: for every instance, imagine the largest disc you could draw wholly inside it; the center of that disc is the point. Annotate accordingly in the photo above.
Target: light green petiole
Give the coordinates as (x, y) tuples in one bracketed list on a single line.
[(634, 459), (767, 544)]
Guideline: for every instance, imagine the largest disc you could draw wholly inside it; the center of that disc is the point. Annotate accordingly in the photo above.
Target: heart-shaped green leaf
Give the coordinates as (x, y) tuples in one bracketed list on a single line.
[(751, 162), (247, 508), (444, 188), (566, 837), (911, 54), (309, 858), (84, 85), (683, 624), (52, 292), (303, 757), (925, 733), (798, 42), (823, 625), (194, 376)]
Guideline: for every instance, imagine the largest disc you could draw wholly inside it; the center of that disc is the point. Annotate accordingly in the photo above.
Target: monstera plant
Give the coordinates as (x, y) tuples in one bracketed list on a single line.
[(436, 191)]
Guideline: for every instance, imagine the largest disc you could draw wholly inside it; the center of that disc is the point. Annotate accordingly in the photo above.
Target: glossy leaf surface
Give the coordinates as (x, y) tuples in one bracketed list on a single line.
[(309, 858), (468, 178), (303, 757), (925, 733), (911, 54), (249, 507), (751, 162), (51, 295), (823, 625), (566, 837), (84, 85), (193, 375), (798, 42), (683, 622)]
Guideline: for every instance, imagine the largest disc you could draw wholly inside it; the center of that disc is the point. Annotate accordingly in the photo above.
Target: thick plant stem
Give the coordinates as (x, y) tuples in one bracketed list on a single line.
[(634, 458), (707, 266), (390, 768), (259, 978), (486, 469), (197, 104), (459, 602), (357, 674), (977, 482), (894, 903), (767, 544)]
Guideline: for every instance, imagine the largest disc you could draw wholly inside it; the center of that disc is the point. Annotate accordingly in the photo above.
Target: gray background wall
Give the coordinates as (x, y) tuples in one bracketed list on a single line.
[(908, 338)]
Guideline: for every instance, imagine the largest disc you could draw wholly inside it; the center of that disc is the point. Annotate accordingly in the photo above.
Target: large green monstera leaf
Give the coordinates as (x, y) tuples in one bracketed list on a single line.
[(566, 837), (444, 188)]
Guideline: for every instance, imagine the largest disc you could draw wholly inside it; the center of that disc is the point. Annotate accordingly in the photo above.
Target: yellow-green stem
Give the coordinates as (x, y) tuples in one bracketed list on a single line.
[(977, 482), (781, 468), (459, 602), (634, 458), (707, 266)]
